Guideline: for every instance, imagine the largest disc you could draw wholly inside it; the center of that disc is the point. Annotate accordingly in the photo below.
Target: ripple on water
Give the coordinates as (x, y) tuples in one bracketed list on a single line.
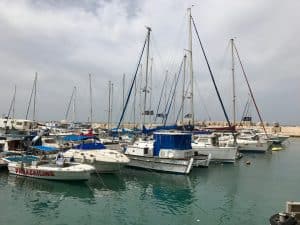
[(222, 194)]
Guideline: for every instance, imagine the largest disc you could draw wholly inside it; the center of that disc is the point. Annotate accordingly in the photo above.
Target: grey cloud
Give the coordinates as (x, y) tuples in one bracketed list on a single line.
[(66, 40)]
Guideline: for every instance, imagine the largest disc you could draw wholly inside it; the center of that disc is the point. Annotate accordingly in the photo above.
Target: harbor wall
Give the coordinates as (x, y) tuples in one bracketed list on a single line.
[(293, 131)]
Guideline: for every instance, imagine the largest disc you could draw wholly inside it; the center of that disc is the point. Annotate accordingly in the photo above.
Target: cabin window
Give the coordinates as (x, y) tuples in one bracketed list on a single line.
[(19, 123), (50, 141), (146, 150)]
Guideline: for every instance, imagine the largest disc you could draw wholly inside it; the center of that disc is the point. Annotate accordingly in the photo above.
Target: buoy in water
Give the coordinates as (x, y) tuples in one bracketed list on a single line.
[(248, 162)]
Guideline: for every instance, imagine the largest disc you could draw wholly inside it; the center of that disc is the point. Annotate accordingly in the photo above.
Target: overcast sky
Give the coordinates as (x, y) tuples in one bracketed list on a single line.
[(66, 40)]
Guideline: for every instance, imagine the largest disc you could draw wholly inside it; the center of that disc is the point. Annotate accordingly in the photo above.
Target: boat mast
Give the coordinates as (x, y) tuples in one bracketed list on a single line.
[(111, 103), (165, 94), (108, 110), (183, 89), (134, 105), (91, 100), (146, 79), (34, 98), (150, 88), (140, 92), (250, 90), (74, 104), (233, 82), (190, 50), (70, 102), (14, 102), (11, 108), (131, 86), (32, 92), (123, 85)]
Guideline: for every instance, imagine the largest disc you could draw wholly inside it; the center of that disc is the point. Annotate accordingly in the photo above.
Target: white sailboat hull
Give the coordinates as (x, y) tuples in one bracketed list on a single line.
[(221, 154), (202, 160), (181, 166), (254, 147), (104, 161)]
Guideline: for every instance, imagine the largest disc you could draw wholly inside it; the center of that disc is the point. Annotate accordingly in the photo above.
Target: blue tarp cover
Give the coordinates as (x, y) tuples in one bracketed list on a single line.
[(181, 141), (90, 146), (45, 148), (151, 130), (77, 137)]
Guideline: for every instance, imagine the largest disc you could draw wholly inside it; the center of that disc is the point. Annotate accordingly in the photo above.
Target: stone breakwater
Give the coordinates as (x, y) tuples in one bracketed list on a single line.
[(293, 131)]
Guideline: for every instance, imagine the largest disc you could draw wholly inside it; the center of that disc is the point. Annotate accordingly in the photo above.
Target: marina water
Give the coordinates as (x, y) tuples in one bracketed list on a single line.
[(221, 194)]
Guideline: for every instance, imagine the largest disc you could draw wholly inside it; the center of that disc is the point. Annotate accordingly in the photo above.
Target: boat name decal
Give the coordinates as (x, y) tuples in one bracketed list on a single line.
[(31, 172)]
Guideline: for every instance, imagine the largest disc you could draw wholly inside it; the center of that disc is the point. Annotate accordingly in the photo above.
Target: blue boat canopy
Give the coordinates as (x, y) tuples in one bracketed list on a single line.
[(78, 137), (44, 148), (173, 141), (151, 130), (90, 146)]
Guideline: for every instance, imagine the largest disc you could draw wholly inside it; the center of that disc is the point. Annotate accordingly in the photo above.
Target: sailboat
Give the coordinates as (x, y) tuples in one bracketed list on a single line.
[(248, 141), (89, 150), (166, 151), (205, 143)]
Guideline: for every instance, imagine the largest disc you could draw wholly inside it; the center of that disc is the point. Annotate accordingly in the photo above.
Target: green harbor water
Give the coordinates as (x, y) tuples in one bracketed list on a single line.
[(221, 194)]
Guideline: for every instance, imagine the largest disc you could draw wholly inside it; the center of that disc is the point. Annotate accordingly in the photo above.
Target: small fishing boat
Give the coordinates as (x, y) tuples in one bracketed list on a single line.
[(92, 151), (168, 152), (45, 169)]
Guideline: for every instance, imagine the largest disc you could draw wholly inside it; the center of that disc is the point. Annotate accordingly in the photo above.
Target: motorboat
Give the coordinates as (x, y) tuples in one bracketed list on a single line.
[(247, 143), (273, 138), (92, 151), (60, 169), (3, 163), (166, 152), (209, 144)]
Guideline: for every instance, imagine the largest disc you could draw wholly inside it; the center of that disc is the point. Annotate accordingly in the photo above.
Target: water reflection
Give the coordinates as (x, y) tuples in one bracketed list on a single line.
[(106, 183), (170, 192)]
